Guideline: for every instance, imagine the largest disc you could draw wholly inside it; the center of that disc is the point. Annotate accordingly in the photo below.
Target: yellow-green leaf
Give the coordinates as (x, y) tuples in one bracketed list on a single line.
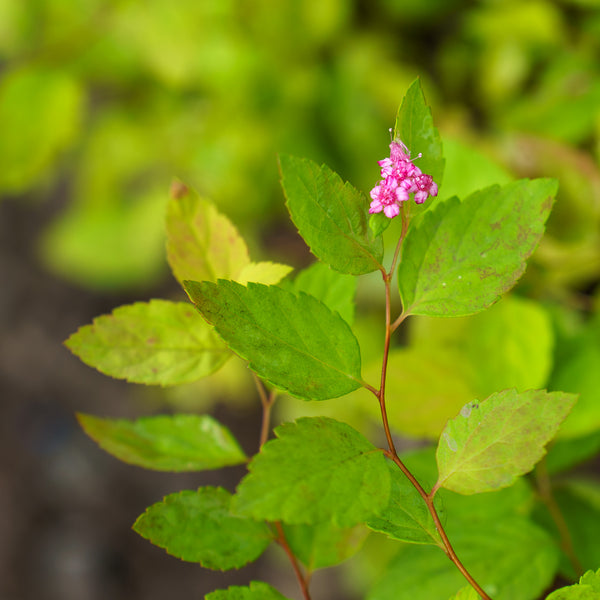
[(490, 443), (202, 243), (166, 442), (156, 343)]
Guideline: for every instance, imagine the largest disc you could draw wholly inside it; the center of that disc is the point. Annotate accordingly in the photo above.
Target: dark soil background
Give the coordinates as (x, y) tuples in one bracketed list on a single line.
[(66, 506)]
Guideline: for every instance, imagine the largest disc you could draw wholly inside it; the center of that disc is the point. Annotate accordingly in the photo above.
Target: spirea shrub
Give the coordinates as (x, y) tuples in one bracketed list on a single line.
[(463, 514)]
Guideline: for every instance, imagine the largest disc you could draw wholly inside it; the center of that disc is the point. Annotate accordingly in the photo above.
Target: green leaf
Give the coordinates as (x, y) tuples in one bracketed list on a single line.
[(202, 244), (324, 544), (166, 443), (265, 272), (331, 216), (406, 517), (516, 500), (317, 469), (466, 593), (414, 128), (464, 255), (490, 443), (588, 588), (592, 579), (378, 223), (511, 559), (334, 289), (156, 343), (257, 590), (197, 526), (295, 342)]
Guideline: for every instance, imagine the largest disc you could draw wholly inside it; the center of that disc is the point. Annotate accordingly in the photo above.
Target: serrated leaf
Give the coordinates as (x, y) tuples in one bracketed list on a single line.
[(317, 469), (592, 579), (166, 443), (331, 216), (414, 128), (156, 343), (202, 243), (511, 559), (490, 443), (324, 544), (265, 272), (588, 588), (406, 517), (516, 500), (197, 526), (334, 289), (257, 590), (464, 255), (295, 342)]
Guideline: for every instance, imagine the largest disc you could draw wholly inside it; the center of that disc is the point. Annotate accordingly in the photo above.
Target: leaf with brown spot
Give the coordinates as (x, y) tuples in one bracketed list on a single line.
[(464, 255), (156, 343), (202, 243), (491, 443)]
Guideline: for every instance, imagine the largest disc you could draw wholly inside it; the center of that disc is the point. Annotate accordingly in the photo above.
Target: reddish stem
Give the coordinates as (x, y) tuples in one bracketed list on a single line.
[(302, 580), (267, 402), (391, 453)]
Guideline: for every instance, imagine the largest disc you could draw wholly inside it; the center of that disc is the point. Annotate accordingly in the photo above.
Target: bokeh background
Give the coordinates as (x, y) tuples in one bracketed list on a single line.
[(103, 102)]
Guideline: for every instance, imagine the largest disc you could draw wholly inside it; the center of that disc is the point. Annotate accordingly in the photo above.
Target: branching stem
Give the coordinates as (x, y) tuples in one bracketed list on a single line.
[(267, 401), (380, 394), (302, 580)]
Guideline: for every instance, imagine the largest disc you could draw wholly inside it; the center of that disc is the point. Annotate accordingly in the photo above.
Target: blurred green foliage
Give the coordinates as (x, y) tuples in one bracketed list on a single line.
[(104, 101)]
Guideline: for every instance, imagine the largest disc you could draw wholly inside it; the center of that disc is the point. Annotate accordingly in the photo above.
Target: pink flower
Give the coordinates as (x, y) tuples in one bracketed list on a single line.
[(399, 152), (400, 177), (425, 187), (387, 197)]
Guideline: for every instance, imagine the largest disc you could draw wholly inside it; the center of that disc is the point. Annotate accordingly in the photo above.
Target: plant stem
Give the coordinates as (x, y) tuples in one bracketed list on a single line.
[(380, 394), (386, 351), (428, 499), (544, 486), (267, 402), (302, 580)]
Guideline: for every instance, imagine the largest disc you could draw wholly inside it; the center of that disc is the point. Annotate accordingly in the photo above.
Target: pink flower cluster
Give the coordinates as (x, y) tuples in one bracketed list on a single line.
[(400, 178)]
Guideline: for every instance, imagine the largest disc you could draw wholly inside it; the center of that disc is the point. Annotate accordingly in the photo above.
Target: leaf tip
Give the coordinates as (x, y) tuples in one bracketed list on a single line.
[(178, 190)]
